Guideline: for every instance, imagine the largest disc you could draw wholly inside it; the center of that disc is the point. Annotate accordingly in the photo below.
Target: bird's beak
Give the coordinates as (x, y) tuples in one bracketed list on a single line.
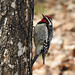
[(43, 16)]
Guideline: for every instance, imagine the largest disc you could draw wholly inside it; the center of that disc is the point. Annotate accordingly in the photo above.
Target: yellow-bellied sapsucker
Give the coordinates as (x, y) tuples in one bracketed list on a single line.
[(43, 33)]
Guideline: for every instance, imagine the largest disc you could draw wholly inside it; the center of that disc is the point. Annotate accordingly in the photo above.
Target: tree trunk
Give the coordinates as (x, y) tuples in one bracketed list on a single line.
[(16, 24)]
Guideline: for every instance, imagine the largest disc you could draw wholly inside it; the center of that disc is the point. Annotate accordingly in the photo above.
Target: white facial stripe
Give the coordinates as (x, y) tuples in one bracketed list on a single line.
[(48, 21)]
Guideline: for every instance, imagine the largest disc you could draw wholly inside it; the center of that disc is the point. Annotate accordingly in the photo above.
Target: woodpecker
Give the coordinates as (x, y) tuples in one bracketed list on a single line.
[(43, 33)]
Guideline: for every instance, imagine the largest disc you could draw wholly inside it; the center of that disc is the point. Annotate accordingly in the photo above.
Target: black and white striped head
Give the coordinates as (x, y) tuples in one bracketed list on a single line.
[(47, 19)]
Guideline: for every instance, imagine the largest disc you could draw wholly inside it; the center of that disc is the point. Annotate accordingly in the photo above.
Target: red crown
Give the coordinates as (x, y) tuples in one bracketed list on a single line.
[(48, 16), (44, 20)]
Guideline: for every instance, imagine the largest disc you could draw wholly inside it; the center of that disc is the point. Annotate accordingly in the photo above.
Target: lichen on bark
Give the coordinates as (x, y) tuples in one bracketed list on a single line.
[(16, 24)]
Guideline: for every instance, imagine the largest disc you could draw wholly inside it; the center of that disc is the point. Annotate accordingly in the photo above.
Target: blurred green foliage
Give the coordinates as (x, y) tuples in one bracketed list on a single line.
[(39, 8)]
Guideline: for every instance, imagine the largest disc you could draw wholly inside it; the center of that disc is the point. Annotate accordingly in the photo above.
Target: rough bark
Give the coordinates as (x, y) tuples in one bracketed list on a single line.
[(16, 24)]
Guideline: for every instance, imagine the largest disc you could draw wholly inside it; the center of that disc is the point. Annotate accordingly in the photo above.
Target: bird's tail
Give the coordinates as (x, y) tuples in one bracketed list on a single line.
[(43, 57)]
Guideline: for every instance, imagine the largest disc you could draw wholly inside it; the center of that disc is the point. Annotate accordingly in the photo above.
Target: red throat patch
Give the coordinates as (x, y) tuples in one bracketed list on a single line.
[(44, 20)]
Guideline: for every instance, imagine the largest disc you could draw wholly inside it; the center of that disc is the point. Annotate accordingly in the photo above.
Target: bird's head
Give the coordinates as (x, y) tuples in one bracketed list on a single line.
[(46, 19)]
